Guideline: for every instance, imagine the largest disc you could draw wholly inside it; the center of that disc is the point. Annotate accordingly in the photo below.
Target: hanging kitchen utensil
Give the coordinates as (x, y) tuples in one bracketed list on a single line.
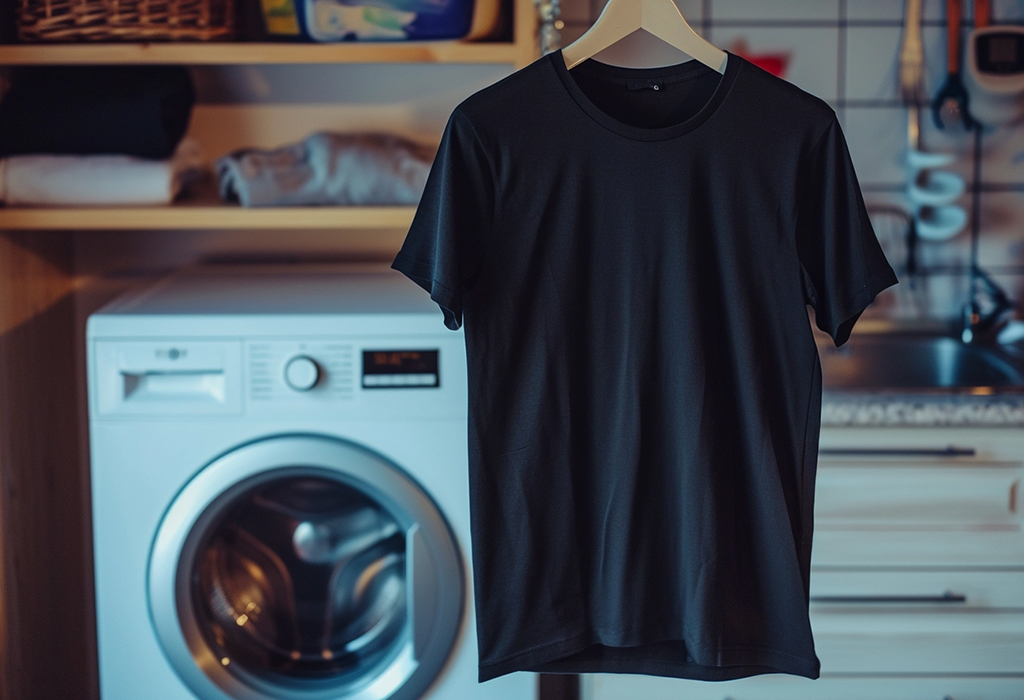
[(930, 192), (950, 105), (936, 188), (911, 56), (985, 307), (940, 223), (994, 73)]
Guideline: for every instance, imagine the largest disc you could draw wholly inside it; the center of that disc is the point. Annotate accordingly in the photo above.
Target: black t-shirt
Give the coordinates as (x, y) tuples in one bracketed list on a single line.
[(632, 251)]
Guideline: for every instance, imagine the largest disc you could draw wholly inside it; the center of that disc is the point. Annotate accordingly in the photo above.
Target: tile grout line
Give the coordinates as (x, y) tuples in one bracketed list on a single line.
[(842, 104), (841, 62)]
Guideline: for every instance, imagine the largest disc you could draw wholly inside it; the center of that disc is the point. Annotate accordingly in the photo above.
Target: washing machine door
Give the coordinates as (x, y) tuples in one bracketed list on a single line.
[(305, 567)]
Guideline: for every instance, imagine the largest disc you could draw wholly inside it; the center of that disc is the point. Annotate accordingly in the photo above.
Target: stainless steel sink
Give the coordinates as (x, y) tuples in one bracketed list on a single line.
[(915, 362)]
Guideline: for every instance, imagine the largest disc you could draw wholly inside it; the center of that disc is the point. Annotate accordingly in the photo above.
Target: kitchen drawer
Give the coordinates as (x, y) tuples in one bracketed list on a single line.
[(935, 548), (917, 491), (919, 643), (937, 590), (778, 687)]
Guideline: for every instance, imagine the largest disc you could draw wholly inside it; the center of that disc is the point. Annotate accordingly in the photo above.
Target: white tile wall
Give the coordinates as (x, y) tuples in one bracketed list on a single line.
[(1002, 220), (934, 11), (892, 10), (813, 52), (954, 140), (1007, 11), (799, 10), (872, 68), (845, 51), (1003, 149), (877, 137)]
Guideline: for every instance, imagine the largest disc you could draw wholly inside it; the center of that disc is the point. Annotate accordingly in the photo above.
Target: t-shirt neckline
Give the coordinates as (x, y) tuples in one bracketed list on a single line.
[(687, 69)]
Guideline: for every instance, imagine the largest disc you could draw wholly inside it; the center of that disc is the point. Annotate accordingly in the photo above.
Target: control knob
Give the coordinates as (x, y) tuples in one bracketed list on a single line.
[(301, 373)]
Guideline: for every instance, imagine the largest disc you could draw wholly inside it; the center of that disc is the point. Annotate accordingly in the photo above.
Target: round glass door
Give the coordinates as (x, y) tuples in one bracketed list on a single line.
[(302, 577), (305, 567)]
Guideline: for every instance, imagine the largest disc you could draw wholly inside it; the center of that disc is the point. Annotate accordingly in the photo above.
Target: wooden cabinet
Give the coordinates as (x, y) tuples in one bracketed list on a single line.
[(917, 581), (58, 264), (201, 209)]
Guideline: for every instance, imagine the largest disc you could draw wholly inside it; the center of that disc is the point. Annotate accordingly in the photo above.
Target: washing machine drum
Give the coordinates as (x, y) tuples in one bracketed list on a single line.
[(305, 567), (303, 577)]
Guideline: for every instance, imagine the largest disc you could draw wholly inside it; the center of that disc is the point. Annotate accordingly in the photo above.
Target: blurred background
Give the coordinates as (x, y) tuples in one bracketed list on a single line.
[(139, 145)]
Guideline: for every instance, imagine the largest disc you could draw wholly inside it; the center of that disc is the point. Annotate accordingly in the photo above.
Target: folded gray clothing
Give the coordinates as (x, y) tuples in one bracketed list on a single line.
[(327, 168)]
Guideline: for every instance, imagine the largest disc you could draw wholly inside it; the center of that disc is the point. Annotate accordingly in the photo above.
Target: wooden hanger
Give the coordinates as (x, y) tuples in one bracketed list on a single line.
[(662, 18)]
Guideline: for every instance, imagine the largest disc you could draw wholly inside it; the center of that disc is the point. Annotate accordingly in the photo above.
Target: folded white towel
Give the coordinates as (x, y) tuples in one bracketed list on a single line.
[(101, 179)]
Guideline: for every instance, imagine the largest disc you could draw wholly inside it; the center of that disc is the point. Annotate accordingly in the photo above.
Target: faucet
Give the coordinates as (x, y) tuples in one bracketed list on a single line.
[(982, 315), (985, 307), (978, 321)]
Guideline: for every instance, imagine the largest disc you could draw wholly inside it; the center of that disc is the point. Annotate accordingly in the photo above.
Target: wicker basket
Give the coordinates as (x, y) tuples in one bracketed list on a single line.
[(125, 20)]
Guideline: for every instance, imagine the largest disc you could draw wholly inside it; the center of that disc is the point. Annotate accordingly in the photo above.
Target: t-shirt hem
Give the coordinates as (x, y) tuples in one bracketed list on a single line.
[(731, 663), (545, 652)]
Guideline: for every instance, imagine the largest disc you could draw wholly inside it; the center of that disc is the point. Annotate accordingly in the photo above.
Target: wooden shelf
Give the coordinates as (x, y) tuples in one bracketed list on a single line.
[(200, 53), (203, 217)]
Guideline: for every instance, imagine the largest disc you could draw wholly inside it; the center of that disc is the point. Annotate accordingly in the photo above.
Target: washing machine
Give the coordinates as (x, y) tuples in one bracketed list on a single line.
[(280, 490)]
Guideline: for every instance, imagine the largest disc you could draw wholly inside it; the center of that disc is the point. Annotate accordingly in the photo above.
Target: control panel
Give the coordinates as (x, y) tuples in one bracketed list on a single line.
[(328, 377), (376, 376), (282, 369)]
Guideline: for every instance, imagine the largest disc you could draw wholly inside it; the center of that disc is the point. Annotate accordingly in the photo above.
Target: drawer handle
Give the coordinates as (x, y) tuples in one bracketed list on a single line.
[(946, 598), (950, 451)]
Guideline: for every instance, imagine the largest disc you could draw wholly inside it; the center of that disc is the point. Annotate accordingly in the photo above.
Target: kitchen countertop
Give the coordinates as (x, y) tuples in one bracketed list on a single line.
[(964, 407), (937, 409)]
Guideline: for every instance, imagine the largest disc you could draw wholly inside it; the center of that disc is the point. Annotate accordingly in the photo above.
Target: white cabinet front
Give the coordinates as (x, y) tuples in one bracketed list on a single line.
[(923, 642), (777, 687)]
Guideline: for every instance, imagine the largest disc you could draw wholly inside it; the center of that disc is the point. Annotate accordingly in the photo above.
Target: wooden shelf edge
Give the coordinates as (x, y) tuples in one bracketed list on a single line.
[(203, 217), (238, 53)]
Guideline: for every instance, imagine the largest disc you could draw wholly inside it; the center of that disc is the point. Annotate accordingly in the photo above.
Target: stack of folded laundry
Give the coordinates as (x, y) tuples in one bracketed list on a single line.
[(97, 135), (327, 168)]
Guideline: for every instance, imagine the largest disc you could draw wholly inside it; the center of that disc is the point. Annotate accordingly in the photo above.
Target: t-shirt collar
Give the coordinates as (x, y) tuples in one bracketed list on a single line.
[(732, 68)]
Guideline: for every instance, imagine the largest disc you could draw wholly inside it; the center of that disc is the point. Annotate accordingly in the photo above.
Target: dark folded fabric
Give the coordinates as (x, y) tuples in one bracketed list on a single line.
[(136, 110)]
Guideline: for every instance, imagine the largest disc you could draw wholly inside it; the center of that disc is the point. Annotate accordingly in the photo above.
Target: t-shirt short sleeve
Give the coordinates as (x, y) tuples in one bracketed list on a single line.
[(843, 265), (445, 242)]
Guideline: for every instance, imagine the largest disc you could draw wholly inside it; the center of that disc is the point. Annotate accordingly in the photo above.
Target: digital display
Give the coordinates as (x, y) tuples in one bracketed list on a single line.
[(400, 369), (1000, 53)]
